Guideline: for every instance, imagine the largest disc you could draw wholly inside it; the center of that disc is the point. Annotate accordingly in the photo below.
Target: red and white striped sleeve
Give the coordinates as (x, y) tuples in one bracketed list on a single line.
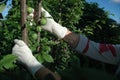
[(107, 53)]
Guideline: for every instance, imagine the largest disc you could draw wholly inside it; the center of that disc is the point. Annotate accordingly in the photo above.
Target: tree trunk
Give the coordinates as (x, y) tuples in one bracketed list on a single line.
[(23, 21)]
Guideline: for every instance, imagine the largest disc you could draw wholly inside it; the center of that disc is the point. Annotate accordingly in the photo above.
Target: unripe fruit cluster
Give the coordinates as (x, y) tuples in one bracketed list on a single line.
[(42, 22), (30, 10)]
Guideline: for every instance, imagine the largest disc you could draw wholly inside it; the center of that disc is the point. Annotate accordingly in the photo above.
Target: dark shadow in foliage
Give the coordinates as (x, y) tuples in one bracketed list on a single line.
[(76, 72), (86, 74), (15, 74), (49, 77), (1, 16), (18, 72)]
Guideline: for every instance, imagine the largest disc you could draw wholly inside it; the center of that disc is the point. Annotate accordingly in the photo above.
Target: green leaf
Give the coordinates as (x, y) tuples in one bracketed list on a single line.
[(40, 58), (99, 27), (96, 21), (7, 61), (2, 7), (46, 49), (48, 58)]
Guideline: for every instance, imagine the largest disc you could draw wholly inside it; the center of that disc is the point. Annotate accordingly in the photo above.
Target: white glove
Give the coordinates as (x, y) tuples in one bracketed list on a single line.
[(54, 27), (25, 56)]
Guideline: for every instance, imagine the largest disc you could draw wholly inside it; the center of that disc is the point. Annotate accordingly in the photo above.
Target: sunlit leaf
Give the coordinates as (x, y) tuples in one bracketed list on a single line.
[(7, 61), (48, 58), (2, 7)]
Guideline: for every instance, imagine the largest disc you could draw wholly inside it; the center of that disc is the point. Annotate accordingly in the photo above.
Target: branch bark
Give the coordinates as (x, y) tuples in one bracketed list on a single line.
[(37, 18), (23, 20), (38, 10)]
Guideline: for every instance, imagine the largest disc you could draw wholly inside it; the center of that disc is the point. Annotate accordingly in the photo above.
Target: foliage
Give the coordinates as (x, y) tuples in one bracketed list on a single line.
[(65, 12), (2, 7), (86, 74), (7, 62), (98, 27)]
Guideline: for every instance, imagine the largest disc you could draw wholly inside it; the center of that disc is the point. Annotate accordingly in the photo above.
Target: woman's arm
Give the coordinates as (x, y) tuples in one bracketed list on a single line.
[(107, 53)]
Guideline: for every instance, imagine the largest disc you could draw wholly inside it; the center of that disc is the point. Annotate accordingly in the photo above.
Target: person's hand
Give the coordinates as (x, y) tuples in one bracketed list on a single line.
[(25, 56), (53, 26)]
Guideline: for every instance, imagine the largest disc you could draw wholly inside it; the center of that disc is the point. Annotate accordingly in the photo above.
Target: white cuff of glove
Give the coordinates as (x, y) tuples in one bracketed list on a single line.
[(59, 30)]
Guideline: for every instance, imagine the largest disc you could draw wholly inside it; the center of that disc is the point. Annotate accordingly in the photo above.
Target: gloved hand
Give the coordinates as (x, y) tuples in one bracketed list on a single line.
[(53, 26), (25, 56)]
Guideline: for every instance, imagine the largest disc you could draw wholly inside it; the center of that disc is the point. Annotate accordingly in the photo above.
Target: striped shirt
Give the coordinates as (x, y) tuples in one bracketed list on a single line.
[(107, 53)]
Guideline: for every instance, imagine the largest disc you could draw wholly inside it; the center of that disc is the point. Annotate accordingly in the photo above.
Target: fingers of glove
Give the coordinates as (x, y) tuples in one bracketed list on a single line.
[(21, 53), (20, 43), (17, 49), (14, 49), (23, 49), (46, 13)]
